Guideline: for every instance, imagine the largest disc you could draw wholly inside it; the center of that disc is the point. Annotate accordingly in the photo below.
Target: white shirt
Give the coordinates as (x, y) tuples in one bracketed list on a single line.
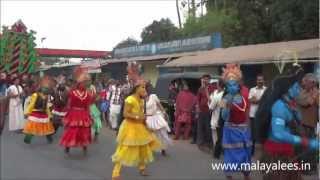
[(215, 99), (255, 92), (15, 90), (152, 106)]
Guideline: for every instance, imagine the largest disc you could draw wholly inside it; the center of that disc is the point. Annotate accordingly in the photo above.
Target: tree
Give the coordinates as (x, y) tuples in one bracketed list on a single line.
[(224, 21), (294, 19), (178, 12), (127, 43), (159, 31), (256, 21)]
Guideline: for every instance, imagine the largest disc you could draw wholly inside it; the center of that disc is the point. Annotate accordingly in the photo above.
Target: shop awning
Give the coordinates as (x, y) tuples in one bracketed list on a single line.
[(307, 50), (150, 58)]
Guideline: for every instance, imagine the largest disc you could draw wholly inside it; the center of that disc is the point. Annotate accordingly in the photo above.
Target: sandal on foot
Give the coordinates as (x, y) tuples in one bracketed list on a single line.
[(143, 172), (116, 178)]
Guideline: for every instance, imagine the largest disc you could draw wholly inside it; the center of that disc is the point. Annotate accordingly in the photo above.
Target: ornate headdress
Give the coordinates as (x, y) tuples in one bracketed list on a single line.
[(134, 73), (232, 72), (81, 74)]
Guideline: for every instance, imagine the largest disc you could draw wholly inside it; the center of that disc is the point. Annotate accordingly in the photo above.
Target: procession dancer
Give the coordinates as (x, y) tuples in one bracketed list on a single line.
[(77, 122), (95, 113), (38, 114), (135, 141), (279, 120), (59, 110), (156, 119), (236, 139), (15, 93)]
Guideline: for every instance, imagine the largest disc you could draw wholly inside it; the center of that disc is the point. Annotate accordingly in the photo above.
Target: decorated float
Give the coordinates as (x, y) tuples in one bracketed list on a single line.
[(17, 50)]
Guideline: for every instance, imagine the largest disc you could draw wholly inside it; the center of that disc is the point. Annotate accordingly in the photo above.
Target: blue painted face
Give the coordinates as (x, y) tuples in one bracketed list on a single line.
[(232, 87), (294, 90)]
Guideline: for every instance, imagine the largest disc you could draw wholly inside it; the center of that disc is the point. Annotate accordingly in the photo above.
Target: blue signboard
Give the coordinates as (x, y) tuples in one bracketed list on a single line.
[(183, 45)]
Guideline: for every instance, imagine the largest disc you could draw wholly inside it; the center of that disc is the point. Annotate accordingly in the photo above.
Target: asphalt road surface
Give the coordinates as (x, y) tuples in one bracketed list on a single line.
[(47, 161)]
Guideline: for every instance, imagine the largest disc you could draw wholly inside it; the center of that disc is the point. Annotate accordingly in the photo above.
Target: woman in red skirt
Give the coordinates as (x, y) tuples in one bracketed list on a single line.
[(77, 121)]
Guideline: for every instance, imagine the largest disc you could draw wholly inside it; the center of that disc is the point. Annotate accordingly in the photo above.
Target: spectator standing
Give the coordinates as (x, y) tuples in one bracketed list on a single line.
[(214, 106), (125, 90), (104, 103), (16, 116), (255, 95), (185, 105), (115, 97), (173, 92), (308, 104), (204, 137), (3, 84), (3, 99)]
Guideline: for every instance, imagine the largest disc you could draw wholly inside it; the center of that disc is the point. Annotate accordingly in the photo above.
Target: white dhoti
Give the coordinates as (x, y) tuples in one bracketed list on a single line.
[(114, 115), (16, 115)]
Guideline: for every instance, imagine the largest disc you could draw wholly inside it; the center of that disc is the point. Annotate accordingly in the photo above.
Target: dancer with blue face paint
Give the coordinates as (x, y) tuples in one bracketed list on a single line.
[(236, 139), (279, 124)]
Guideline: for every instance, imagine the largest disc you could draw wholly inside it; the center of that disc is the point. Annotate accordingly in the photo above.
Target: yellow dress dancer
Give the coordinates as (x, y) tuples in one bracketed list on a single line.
[(38, 121), (135, 142)]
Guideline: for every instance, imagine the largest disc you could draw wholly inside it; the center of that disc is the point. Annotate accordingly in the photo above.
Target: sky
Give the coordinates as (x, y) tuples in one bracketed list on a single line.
[(86, 24)]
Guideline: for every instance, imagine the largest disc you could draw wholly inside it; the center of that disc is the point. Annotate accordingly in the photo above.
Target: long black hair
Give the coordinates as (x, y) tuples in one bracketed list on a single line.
[(133, 90), (280, 86)]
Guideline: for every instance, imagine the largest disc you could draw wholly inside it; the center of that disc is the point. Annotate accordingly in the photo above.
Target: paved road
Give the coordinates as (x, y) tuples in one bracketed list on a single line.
[(46, 161)]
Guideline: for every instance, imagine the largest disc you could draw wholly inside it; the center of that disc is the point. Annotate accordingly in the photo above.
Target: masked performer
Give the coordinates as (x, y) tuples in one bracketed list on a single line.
[(95, 112), (279, 124), (77, 122), (38, 113), (135, 142), (236, 139), (60, 98)]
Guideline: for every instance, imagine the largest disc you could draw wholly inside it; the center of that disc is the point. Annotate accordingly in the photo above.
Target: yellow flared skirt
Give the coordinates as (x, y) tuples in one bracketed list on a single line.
[(38, 129), (135, 144)]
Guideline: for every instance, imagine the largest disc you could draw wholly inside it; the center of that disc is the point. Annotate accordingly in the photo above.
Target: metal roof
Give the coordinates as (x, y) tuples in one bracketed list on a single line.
[(252, 54), (45, 52), (150, 58)]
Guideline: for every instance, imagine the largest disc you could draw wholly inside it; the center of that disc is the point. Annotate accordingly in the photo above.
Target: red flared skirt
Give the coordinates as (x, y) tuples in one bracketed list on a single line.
[(77, 129), (76, 137)]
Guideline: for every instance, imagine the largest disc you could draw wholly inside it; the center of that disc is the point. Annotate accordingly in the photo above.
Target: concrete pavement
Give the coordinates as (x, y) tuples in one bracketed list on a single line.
[(47, 161)]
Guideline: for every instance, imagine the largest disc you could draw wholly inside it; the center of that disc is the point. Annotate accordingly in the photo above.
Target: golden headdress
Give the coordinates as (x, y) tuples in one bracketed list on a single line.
[(81, 74), (133, 69), (232, 72)]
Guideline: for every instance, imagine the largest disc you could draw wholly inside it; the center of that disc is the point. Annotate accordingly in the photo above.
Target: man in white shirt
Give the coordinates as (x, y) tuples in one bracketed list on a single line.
[(255, 95), (115, 98)]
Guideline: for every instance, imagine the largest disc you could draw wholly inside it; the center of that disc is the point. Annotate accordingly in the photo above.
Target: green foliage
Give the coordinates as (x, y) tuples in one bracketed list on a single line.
[(241, 22), (127, 43), (224, 21), (295, 19), (256, 21), (159, 31)]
